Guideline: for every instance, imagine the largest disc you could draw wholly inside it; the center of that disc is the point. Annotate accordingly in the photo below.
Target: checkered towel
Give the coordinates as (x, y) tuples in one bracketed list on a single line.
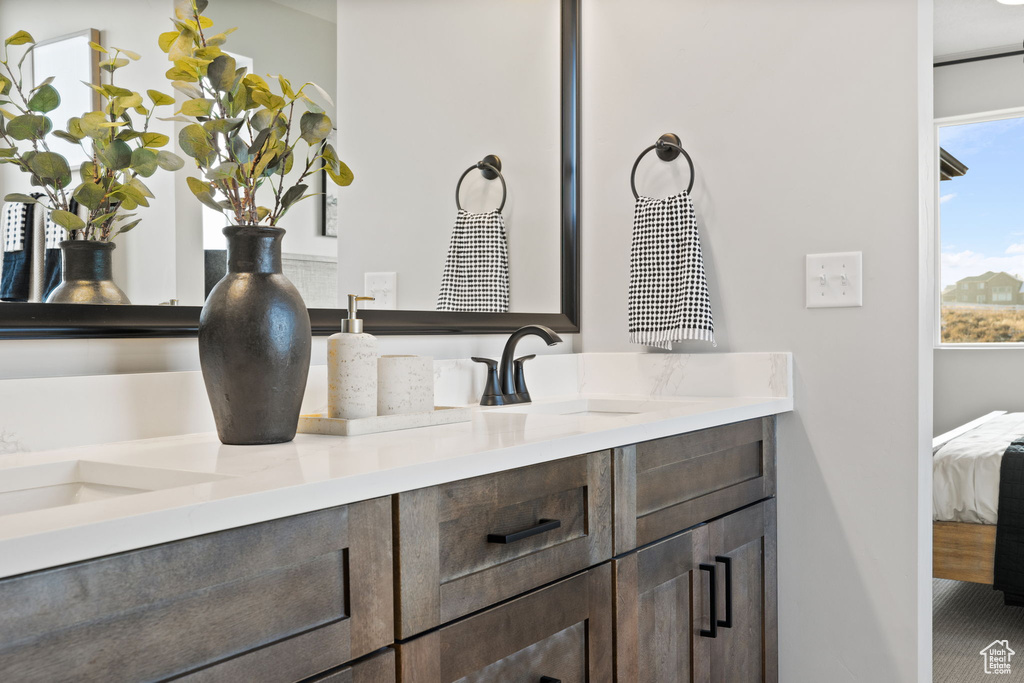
[(476, 270), (668, 291)]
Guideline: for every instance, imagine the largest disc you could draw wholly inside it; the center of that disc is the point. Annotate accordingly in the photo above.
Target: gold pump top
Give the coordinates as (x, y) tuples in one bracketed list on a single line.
[(353, 324)]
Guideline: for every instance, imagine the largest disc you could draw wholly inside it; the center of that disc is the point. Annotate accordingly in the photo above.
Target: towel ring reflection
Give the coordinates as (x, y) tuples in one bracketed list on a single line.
[(669, 148), (490, 168)]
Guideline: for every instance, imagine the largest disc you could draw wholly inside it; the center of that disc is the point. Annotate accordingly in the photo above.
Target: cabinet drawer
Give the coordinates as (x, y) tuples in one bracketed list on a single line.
[(450, 562), (563, 631), (295, 596), (667, 485)]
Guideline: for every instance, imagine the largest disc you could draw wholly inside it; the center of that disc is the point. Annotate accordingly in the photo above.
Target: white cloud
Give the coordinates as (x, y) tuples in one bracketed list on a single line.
[(1015, 249), (961, 264), (946, 197)]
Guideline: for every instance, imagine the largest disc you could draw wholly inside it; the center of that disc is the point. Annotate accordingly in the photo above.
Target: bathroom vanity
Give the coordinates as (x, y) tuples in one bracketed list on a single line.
[(600, 537)]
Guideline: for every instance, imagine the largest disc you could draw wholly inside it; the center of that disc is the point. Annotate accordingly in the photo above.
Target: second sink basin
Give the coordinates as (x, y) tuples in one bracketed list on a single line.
[(56, 484), (602, 407)]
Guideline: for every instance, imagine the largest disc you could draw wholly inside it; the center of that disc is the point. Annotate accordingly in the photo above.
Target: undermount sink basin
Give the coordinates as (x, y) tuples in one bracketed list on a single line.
[(50, 485), (602, 407)]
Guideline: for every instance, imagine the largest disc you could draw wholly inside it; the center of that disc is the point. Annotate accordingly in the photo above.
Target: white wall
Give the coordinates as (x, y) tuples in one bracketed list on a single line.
[(451, 82), (971, 382), (783, 105)]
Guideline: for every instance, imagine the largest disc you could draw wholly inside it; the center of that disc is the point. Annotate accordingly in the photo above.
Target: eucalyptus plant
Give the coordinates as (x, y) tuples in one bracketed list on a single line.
[(240, 132), (121, 149)]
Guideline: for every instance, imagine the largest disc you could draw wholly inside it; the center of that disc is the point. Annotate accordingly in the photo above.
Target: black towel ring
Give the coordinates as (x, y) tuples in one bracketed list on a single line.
[(669, 147), (490, 167)]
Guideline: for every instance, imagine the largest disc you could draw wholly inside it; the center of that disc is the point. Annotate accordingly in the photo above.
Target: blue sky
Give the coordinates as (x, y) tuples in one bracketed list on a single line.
[(982, 212)]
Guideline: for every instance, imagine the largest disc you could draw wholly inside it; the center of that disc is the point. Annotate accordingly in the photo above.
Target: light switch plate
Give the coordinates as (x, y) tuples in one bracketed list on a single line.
[(834, 280), (383, 287)]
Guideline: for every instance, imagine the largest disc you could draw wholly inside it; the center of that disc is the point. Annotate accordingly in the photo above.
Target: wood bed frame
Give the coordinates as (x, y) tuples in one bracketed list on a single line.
[(962, 551)]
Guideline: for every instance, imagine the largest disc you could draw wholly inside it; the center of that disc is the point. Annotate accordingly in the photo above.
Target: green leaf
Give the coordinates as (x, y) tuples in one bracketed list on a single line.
[(189, 89), (45, 99), (48, 81), (151, 139), (115, 155), (159, 99), (111, 90), (29, 127), (5, 85), (221, 73), (343, 176), (223, 126), (286, 87), (95, 124), (223, 172), (203, 193), (220, 38), (141, 188), (20, 38), (195, 143), (128, 226), (90, 195), (144, 162), (315, 127), (267, 99), (120, 104), (67, 220), (97, 47), (75, 128), (87, 171), (320, 91), (265, 118), (67, 137), (7, 152), (134, 56), (169, 161), (259, 142), (197, 107), (292, 195), (165, 40), (22, 198), (100, 220), (112, 65), (177, 73)]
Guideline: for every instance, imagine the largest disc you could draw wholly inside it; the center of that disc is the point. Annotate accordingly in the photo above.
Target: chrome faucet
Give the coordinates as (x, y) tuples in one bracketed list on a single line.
[(506, 383)]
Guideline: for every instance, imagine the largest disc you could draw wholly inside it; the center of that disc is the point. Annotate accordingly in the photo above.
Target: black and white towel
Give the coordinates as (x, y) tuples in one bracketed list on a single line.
[(668, 290), (16, 217), (475, 274)]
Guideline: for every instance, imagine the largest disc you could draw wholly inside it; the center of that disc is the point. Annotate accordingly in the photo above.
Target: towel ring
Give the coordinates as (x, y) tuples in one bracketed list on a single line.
[(490, 168), (669, 148)]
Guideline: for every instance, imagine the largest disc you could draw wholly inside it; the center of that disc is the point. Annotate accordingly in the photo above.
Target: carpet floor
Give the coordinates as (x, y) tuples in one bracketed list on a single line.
[(967, 617)]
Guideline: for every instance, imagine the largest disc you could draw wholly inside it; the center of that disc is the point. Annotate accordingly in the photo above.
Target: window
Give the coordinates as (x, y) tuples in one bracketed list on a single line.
[(981, 230)]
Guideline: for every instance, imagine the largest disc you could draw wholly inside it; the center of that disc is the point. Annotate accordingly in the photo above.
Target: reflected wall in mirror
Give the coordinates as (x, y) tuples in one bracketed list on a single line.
[(423, 91)]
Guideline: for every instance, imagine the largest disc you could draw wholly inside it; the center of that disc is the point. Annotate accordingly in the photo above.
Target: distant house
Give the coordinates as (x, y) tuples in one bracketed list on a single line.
[(949, 294), (989, 288)]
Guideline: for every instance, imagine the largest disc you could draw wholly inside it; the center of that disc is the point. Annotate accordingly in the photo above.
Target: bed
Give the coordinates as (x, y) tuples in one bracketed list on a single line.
[(966, 495)]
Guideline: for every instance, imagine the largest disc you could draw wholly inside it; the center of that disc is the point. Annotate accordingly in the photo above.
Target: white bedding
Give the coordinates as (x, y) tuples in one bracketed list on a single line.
[(966, 471)]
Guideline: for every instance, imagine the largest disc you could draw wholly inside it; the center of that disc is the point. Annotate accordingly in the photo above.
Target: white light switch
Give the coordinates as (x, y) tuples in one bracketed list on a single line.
[(834, 280), (383, 287)]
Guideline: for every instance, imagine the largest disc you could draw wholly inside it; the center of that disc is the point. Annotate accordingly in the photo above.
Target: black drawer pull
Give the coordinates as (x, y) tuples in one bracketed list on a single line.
[(549, 679), (713, 631), (727, 561), (542, 526)]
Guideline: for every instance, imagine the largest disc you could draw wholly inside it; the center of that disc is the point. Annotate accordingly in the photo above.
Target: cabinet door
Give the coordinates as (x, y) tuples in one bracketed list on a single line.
[(660, 611), (743, 549), (562, 632)]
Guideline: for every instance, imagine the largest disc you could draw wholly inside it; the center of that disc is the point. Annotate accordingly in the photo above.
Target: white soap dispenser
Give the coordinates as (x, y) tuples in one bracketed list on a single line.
[(352, 368)]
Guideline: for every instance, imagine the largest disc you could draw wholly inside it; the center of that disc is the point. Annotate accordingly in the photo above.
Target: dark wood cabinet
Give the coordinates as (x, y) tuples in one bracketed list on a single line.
[(667, 485), (562, 632), (278, 601), (469, 544), (377, 668), (666, 630)]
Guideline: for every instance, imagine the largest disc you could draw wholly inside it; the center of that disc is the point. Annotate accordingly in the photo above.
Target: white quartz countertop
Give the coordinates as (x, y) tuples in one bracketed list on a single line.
[(259, 483)]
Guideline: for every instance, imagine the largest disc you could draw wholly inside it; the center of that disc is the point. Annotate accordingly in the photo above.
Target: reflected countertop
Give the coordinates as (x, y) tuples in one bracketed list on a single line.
[(253, 484)]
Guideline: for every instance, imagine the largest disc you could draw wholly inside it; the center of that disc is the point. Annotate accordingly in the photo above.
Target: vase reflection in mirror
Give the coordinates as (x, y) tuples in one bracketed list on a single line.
[(86, 275), (254, 342)]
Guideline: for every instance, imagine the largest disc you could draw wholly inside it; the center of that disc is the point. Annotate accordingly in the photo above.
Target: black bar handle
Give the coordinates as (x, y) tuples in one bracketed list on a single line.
[(727, 561), (713, 631), (542, 526), (549, 679)]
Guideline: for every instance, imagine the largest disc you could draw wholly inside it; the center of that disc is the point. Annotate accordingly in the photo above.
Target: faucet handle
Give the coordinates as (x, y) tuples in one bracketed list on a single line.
[(492, 389), (520, 377)]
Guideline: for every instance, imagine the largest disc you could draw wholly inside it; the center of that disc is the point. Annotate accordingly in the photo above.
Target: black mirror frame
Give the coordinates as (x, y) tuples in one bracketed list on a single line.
[(53, 321)]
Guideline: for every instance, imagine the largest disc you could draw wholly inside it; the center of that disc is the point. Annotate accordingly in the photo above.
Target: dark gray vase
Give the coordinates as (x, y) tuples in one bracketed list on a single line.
[(86, 276), (254, 342)]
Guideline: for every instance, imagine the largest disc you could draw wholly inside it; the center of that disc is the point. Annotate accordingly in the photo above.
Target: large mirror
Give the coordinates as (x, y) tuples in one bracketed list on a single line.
[(422, 92)]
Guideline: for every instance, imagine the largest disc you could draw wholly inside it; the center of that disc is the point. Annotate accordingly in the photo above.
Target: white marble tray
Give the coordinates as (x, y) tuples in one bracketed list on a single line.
[(336, 426)]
